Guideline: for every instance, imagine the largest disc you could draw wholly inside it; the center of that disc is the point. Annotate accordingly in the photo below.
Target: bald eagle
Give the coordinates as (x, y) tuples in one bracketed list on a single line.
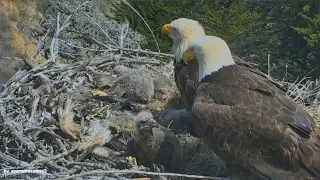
[(182, 31), (248, 121)]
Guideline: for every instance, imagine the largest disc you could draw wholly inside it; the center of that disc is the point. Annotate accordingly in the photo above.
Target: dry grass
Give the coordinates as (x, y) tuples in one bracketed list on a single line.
[(315, 113), (306, 93)]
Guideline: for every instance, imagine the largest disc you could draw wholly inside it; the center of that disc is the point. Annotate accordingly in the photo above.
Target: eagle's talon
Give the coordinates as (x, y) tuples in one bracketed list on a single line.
[(98, 93)]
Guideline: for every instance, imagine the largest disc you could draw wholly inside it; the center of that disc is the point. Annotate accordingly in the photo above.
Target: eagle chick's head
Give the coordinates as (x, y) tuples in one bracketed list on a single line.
[(182, 31), (212, 54), (144, 122)]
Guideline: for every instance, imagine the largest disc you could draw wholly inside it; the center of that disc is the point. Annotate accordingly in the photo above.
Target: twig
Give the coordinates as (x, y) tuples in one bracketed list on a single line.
[(7, 122), (140, 172), (83, 48), (100, 110), (47, 131), (12, 160), (154, 37), (54, 48), (89, 164), (11, 99), (31, 147), (100, 28), (36, 99), (43, 160), (135, 50), (130, 60), (40, 44)]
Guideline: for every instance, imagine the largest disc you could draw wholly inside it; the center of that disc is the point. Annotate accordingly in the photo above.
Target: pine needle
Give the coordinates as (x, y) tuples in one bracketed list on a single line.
[(144, 22)]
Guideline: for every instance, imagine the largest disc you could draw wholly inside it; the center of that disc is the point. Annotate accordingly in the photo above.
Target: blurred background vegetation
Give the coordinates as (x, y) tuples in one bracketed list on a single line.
[(287, 30)]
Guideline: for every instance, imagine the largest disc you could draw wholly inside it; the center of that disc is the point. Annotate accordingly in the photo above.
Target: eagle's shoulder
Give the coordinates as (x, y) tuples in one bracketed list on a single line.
[(250, 93)]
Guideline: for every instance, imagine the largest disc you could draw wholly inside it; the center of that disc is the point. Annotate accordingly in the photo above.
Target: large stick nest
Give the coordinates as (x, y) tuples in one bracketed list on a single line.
[(48, 118)]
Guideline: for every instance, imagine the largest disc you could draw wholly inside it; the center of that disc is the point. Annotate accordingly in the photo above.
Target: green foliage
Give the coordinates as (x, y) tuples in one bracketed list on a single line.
[(310, 33), (222, 18), (287, 30)]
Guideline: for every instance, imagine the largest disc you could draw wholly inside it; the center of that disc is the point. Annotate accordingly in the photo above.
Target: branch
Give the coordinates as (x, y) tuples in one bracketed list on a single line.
[(40, 45), (47, 131), (12, 160), (100, 28), (44, 160), (54, 48), (135, 50), (88, 164), (154, 37), (140, 172)]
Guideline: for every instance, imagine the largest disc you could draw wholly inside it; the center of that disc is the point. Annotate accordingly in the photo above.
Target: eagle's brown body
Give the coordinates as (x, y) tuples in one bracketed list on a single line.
[(250, 122), (186, 78)]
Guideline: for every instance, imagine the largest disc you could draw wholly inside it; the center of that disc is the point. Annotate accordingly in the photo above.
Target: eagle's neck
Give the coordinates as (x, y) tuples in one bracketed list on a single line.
[(208, 66), (179, 48), (180, 45)]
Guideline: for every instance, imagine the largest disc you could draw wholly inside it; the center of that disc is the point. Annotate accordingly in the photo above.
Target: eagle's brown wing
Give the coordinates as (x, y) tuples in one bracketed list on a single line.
[(186, 79), (249, 67), (245, 118)]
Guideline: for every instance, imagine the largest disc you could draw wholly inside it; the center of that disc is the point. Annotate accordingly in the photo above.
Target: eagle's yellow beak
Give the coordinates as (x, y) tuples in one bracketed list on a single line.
[(188, 55), (167, 29)]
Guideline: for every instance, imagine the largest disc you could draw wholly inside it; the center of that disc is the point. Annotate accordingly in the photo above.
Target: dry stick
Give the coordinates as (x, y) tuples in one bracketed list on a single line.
[(129, 60), (154, 37), (63, 148), (136, 50), (70, 67), (89, 164), (35, 102), (11, 99), (140, 172), (54, 48), (83, 48), (12, 160), (53, 70), (40, 44), (44, 160), (22, 140), (22, 76), (49, 132), (100, 28)]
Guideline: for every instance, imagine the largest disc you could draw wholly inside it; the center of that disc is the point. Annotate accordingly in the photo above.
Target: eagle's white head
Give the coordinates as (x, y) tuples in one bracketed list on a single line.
[(182, 31), (212, 54)]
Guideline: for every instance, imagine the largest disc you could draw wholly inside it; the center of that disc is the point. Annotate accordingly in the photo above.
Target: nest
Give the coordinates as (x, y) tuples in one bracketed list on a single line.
[(48, 118), (50, 121)]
